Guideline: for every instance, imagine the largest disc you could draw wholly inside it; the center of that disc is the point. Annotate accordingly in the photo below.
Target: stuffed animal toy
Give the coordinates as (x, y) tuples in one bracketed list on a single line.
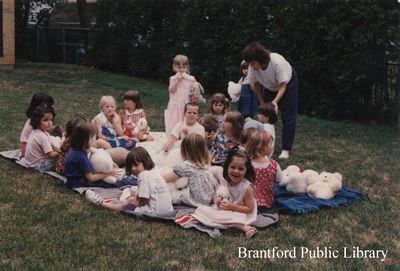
[(223, 193), (210, 124), (326, 186), (234, 91), (195, 93), (129, 191), (56, 138), (294, 180), (118, 155), (101, 161), (142, 129)]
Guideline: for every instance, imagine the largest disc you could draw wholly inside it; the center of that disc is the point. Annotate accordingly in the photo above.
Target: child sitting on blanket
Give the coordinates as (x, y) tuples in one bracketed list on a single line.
[(152, 198), (38, 99), (108, 124), (188, 126), (259, 148), (77, 168), (131, 115), (240, 210), (39, 154), (227, 138), (201, 183)]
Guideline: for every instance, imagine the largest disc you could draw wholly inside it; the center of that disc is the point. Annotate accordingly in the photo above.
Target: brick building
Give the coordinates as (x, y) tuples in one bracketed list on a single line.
[(7, 33)]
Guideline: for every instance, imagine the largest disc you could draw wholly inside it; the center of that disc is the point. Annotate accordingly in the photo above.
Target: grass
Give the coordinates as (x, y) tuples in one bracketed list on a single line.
[(46, 226)]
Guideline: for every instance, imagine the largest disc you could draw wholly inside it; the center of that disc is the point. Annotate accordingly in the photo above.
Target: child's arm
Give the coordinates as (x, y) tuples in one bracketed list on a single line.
[(97, 123), (100, 176), (246, 208), (256, 88), (53, 154), (121, 117), (116, 121), (170, 143), (174, 81), (170, 177)]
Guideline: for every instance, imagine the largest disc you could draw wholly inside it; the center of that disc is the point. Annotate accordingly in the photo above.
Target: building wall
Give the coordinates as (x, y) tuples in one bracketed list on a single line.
[(8, 57)]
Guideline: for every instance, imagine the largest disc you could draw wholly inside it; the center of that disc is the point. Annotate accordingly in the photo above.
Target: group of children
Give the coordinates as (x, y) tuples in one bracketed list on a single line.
[(240, 149)]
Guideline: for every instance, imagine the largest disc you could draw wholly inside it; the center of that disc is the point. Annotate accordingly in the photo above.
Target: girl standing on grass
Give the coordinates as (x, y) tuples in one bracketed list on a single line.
[(240, 210), (39, 154), (77, 168), (108, 124), (201, 183), (38, 99), (248, 102), (130, 116), (227, 138), (267, 171), (152, 198), (179, 89)]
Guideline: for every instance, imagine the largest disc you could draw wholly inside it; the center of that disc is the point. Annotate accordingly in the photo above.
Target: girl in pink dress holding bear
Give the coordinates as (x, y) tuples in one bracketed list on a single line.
[(179, 88)]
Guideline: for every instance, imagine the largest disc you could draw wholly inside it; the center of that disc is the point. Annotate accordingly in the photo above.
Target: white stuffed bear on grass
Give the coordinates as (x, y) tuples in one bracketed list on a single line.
[(325, 186), (101, 162)]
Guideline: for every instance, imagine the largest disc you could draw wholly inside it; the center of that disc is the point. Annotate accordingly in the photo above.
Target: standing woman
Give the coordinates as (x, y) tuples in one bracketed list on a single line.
[(279, 80)]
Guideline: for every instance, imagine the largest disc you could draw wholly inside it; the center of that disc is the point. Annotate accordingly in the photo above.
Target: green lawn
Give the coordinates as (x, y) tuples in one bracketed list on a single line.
[(45, 226)]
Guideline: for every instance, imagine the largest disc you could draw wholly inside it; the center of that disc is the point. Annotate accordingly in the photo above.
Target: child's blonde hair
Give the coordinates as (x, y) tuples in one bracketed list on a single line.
[(194, 149), (180, 59), (106, 99), (215, 98), (237, 121), (256, 142)]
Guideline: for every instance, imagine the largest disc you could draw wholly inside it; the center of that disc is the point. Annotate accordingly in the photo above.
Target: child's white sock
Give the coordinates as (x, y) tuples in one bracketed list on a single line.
[(93, 197), (284, 154)]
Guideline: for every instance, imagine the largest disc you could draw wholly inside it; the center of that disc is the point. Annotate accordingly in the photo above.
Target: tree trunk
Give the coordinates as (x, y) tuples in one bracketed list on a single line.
[(83, 13)]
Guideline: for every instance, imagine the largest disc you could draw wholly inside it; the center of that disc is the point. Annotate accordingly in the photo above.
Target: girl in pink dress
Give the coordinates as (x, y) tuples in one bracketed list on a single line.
[(179, 88), (259, 148)]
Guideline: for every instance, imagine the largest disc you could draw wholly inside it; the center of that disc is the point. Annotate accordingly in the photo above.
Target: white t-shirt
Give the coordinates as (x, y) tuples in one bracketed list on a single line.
[(26, 131), (278, 71), (197, 128), (37, 148), (153, 187)]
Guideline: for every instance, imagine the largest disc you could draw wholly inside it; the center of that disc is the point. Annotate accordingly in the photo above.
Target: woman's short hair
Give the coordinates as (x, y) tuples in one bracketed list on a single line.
[(256, 52)]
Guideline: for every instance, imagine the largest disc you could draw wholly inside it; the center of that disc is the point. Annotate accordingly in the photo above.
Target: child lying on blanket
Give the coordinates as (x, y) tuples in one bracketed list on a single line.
[(201, 183), (241, 209), (153, 196), (77, 168)]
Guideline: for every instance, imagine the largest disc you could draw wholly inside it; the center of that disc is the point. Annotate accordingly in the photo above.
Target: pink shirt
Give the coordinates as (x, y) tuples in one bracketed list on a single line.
[(26, 131), (37, 148)]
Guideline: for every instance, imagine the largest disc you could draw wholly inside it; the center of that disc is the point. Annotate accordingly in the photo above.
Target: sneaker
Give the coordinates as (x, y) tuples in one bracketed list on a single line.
[(284, 154), (93, 197)]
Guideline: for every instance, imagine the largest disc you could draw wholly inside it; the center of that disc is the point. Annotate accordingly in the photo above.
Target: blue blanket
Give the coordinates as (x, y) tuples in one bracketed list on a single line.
[(301, 203)]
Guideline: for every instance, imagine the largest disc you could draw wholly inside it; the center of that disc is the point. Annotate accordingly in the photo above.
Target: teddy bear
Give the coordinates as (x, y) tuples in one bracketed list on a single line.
[(56, 138), (296, 179), (195, 93), (210, 124), (118, 155), (129, 191), (234, 91), (223, 193), (101, 162), (325, 185), (142, 130)]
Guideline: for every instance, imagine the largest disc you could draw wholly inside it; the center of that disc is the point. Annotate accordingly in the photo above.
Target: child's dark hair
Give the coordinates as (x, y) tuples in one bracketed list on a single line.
[(81, 135), (38, 113), (243, 66), (237, 121), (192, 104), (268, 110), (69, 128), (215, 98), (136, 156), (134, 96), (256, 52), (237, 152), (39, 99)]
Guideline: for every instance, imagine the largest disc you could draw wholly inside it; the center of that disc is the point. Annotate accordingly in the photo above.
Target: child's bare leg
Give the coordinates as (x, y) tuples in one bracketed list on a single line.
[(101, 143), (248, 231), (119, 207)]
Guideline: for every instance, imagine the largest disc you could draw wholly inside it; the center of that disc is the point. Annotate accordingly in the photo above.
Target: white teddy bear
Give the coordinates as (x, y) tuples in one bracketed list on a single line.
[(325, 185), (101, 162), (234, 91)]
